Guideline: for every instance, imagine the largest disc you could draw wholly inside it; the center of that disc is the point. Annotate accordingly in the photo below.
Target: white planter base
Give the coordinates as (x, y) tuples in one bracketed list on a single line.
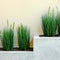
[(47, 48)]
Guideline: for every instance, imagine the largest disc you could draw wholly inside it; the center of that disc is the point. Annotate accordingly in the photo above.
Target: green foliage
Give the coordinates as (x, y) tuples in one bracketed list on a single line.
[(58, 22), (8, 38), (49, 24), (23, 37)]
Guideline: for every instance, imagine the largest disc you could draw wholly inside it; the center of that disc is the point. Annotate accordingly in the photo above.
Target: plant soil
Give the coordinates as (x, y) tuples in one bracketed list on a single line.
[(17, 49), (49, 36)]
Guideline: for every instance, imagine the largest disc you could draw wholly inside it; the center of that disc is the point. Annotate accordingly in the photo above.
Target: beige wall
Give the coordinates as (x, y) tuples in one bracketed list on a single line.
[(26, 11)]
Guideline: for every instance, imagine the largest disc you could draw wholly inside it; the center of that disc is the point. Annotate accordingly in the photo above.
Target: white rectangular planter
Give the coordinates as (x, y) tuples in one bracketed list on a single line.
[(16, 56), (46, 42), (47, 48)]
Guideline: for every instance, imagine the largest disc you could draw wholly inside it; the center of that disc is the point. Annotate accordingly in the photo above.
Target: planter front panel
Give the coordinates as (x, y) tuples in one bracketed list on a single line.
[(47, 48)]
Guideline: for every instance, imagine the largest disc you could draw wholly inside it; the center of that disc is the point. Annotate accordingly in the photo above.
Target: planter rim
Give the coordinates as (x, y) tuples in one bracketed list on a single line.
[(46, 38)]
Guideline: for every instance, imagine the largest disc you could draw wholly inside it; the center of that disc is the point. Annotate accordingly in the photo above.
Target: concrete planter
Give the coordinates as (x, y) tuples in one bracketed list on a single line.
[(47, 48), (46, 41)]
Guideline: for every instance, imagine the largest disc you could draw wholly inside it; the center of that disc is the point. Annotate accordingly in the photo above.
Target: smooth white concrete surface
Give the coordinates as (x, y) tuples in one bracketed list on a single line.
[(47, 48), (16, 56)]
